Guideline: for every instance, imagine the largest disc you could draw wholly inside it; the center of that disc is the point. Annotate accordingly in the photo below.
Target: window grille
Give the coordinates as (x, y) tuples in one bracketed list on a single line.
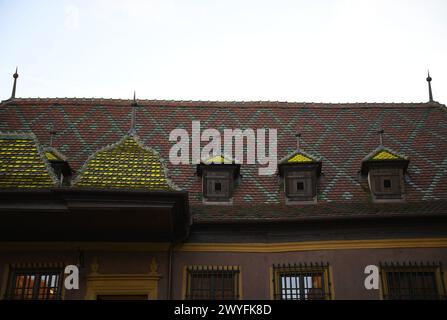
[(301, 281), (35, 284), (408, 281), (212, 282)]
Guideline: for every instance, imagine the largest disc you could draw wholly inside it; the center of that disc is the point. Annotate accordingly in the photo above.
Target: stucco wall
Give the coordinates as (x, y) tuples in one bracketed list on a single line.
[(347, 266)]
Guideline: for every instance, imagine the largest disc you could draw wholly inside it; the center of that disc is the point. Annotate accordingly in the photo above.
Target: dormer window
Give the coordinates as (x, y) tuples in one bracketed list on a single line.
[(218, 180), (385, 171), (300, 185), (386, 183), (299, 173), (217, 184), (60, 166)]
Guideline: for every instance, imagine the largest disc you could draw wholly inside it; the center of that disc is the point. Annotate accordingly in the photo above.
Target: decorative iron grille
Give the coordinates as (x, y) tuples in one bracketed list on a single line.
[(212, 282), (412, 281), (301, 281), (35, 284)]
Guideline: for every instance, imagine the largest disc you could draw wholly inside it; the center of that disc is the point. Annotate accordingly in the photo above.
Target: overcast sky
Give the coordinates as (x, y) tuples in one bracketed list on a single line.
[(311, 51)]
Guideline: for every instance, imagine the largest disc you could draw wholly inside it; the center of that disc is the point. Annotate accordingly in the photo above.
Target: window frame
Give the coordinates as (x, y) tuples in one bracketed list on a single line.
[(292, 175), (211, 178), (376, 181), (37, 273), (226, 175), (399, 268), (301, 271), (208, 270)]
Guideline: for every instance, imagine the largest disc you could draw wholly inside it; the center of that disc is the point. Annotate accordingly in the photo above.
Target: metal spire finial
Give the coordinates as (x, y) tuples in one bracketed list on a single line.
[(430, 94), (298, 140), (15, 76), (381, 132), (133, 116), (53, 133)]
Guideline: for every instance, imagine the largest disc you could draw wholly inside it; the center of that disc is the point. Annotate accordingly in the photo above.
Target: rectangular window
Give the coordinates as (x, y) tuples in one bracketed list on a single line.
[(35, 284), (212, 283), (412, 281), (301, 282), (386, 184), (300, 188), (217, 185)]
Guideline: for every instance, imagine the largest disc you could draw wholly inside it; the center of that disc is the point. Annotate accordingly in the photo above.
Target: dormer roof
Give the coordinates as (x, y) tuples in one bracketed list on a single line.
[(384, 156), (300, 158)]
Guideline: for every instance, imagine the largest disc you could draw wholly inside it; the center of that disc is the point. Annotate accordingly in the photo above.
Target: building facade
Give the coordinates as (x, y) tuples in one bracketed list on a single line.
[(91, 183)]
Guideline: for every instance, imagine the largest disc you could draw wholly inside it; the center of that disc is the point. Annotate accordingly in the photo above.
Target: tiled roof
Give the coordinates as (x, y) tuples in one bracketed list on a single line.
[(125, 164), (22, 163), (281, 212), (341, 135)]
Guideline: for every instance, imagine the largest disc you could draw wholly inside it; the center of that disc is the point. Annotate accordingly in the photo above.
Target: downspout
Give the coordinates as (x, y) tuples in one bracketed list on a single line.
[(170, 250), (172, 246)]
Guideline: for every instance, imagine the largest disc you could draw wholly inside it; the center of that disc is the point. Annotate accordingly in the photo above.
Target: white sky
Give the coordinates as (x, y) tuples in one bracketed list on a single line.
[(320, 51)]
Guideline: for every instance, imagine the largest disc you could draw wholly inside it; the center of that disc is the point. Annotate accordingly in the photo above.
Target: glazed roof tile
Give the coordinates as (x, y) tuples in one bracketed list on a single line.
[(22, 162), (340, 135), (125, 164)]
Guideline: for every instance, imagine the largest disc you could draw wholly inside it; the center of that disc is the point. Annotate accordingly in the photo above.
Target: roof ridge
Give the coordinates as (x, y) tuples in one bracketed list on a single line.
[(217, 103)]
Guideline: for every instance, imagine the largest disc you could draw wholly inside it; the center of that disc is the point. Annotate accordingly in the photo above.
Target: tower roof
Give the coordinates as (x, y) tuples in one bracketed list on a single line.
[(125, 164), (23, 163)]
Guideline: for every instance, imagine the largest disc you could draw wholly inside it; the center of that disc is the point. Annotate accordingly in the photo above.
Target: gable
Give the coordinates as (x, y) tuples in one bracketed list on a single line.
[(299, 158), (385, 155)]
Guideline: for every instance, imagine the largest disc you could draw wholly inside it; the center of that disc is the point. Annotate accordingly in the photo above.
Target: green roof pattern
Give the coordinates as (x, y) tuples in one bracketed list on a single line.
[(23, 164), (125, 164)]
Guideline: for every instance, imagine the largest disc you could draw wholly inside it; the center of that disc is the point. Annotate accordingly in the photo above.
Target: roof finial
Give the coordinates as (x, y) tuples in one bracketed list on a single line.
[(15, 75), (298, 140), (380, 132), (133, 116), (52, 134), (430, 94)]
